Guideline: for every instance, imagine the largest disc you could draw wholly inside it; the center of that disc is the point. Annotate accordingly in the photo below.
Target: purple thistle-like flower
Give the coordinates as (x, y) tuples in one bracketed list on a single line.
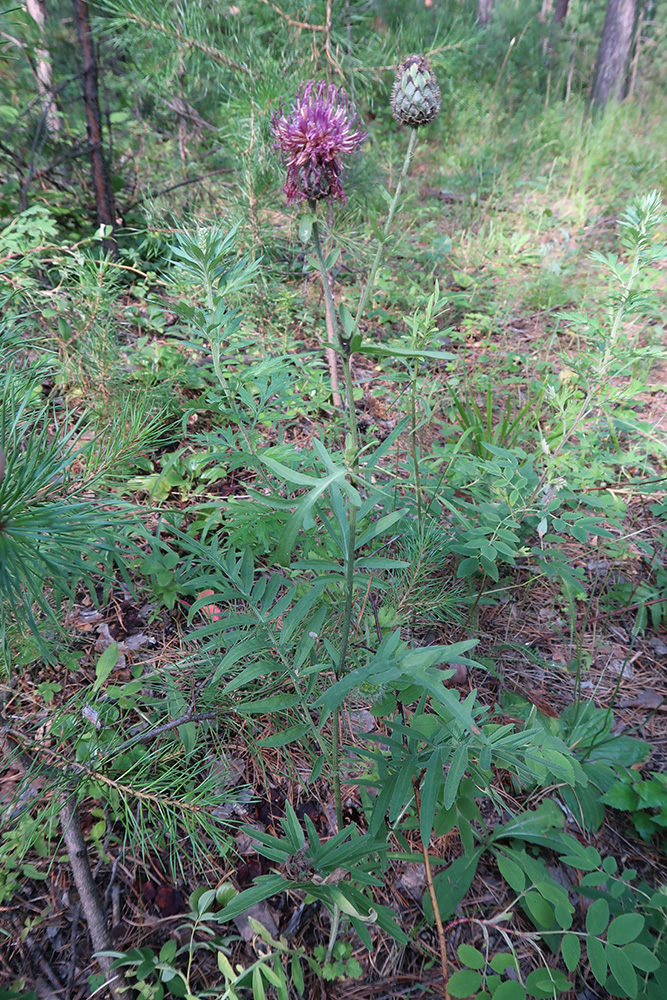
[(321, 127)]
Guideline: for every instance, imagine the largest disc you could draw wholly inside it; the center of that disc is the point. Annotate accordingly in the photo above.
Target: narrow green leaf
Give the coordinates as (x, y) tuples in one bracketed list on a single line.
[(457, 769), (264, 887), (275, 703), (380, 526), (105, 665), (300, 610), (225, 967), (297, 975), (286, 737), (289, 475), (332, 257), (406, 352), (270, 975), (430, 790), (347, 319), (258, 991), (292, 827), (262, 668)]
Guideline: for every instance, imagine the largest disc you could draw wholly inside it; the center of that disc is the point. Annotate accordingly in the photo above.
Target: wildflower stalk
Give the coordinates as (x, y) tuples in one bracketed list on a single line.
[(352, 451), (353, 466), (366, 294)]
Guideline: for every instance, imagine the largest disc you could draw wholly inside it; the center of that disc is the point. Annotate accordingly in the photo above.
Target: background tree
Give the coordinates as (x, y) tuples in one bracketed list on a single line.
[(43, 69), (614, 50), (560, 10), (101, 183)]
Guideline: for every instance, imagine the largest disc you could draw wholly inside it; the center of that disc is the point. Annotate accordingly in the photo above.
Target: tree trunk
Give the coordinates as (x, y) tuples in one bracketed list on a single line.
[(613, 51), (484, 9), (37, 11), (560, 11), (101, 183)]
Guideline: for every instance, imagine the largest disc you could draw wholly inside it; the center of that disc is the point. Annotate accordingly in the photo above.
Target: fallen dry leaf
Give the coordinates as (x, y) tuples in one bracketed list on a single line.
[(649, 698)]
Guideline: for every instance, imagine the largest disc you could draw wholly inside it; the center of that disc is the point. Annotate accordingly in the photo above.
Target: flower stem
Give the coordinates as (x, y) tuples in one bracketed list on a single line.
[(366, 294), (352, 458)]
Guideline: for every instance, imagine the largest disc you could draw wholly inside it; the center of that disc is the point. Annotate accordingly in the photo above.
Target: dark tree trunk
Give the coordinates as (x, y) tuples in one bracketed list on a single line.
[(561, 8), (613, 51), (560, 11), (101, 184)]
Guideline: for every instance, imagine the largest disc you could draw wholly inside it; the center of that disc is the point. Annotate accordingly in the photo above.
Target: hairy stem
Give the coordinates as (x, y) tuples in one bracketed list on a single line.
[(352, 459)]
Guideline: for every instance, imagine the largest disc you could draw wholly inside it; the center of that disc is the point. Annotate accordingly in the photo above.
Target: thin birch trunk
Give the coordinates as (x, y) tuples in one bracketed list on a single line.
[(44, 70)]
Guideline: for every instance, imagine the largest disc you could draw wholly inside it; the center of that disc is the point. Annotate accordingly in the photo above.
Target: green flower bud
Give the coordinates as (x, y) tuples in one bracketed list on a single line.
[(415, 97)]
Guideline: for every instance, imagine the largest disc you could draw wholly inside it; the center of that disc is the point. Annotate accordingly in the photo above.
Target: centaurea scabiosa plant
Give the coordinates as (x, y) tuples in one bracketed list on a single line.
[(320, 130)]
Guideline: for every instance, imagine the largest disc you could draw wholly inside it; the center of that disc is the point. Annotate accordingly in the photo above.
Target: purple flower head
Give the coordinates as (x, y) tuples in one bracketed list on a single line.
[(320, 128)]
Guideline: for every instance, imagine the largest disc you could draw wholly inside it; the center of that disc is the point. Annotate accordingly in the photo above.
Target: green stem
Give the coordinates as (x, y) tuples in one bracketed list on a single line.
[(333, 933), (353, 466), (413, 437), (368, 288)]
